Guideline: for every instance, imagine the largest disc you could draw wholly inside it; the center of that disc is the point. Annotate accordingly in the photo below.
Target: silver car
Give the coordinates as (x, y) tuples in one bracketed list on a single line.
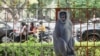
[(89, 32), (5, 31)]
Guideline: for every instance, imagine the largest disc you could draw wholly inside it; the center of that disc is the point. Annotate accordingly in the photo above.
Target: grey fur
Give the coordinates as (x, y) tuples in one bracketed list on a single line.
[(62, 37)]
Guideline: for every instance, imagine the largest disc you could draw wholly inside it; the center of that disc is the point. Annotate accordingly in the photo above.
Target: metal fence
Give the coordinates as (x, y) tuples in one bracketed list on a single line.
[(86, 31)]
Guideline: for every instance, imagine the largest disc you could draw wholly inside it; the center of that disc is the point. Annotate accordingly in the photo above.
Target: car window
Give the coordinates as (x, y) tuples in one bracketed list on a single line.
[(96, 21), (2, 26)]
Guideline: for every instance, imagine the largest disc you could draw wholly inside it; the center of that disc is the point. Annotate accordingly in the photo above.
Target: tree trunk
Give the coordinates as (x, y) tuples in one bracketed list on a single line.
[(40, 9), (14, 9), (40, 14)]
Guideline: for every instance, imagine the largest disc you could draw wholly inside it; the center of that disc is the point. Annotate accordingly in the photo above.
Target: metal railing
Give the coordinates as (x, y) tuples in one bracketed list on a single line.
[(81, 17)]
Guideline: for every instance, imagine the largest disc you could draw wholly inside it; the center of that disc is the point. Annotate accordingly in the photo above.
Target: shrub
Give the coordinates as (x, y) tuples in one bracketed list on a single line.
[(28, 48), (87, 48), (33, 48), (25, 49)]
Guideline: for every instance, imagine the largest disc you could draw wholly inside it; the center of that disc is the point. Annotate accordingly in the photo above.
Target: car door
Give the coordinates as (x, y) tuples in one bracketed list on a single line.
[(4, 29)]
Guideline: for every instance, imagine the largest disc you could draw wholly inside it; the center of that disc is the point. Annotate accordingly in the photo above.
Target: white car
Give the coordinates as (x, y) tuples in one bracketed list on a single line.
[(89, 31)]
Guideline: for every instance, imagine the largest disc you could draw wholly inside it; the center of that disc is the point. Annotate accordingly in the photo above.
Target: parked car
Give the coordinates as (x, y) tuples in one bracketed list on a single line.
[(89, 31), (5, 31)]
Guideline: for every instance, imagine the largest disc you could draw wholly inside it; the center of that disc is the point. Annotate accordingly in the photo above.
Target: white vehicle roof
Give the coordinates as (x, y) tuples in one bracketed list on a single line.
[(94, 19)]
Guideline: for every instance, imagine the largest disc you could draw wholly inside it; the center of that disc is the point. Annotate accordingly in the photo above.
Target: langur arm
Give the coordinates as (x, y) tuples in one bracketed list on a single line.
[(57, 31)]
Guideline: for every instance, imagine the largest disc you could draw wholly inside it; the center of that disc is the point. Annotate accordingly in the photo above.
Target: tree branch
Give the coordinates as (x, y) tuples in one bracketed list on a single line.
[(22, 6), (6, 6), (5, 2)]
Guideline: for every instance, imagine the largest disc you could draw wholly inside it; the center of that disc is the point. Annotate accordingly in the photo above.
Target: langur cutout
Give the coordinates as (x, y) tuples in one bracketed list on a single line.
[(62, 36)]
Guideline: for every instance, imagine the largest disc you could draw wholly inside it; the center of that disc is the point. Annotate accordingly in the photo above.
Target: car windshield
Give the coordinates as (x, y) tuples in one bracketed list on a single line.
[(94, 21), (4, 26)]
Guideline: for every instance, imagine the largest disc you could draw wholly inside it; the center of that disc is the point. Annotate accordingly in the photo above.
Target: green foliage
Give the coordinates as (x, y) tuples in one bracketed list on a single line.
[(90, 51), (62, 4), (32, 48), (85, 3), (32, 39), (44, 3), (91, 4), (0, 2), (71, 4), (87, 48), (32, 8), (26, 50)]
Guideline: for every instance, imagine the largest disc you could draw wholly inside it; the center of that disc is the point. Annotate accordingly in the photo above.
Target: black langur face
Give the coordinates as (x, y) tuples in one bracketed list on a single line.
[(63, 16)]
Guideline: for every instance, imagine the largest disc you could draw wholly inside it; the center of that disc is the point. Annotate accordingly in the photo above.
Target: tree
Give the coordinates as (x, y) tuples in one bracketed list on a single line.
[(88, 8), (68, 4), (42, 4), (14, 7)]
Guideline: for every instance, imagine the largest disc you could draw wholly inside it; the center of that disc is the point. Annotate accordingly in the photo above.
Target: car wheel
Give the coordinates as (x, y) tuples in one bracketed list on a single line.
[(93, 38), (5, 39)]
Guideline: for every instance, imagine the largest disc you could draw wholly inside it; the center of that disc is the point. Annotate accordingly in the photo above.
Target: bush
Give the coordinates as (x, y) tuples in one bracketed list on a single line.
[(33, 48), (87, 48), (28, 48), (25, 49)]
